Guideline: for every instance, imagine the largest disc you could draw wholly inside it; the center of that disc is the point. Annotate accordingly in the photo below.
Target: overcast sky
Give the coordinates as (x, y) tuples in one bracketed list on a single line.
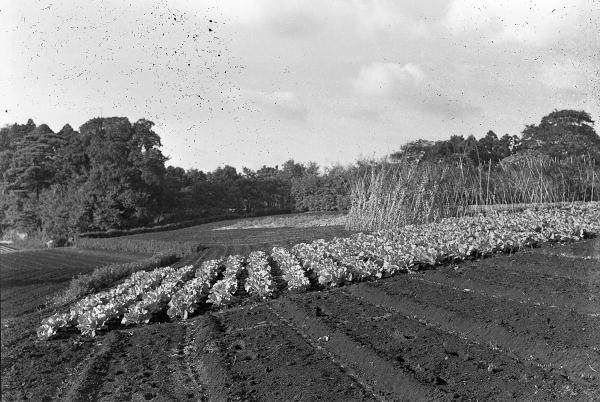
[(248, 83)]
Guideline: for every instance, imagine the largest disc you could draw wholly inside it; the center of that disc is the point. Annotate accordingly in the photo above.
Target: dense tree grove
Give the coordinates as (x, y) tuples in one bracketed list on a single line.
[(488, 148), (111, 174)]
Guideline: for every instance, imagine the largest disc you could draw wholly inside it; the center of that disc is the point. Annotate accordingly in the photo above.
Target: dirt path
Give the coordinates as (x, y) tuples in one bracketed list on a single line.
[(521, 326)]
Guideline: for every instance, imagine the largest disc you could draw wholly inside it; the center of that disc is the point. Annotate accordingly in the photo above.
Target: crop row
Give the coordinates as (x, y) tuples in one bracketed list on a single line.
[(321, 264)]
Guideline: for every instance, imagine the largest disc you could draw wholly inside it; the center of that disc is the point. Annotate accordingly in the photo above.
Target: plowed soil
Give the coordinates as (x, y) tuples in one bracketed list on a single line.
[(512, 327)]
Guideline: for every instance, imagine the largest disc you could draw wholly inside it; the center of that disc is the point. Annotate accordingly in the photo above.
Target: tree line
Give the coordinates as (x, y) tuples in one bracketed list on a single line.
[(560, 134), (111, 174)]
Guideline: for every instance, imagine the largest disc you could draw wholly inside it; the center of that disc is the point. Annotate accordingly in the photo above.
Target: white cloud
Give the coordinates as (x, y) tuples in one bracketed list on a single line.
[(531, 22), (409, 86), (387, 78)]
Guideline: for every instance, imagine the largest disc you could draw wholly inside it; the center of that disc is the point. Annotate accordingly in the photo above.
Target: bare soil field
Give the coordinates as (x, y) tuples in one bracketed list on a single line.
[(524, 326)]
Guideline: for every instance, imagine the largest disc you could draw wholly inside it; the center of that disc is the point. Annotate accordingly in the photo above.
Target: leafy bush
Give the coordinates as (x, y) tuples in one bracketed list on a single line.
[(103, 277), (323, 192)]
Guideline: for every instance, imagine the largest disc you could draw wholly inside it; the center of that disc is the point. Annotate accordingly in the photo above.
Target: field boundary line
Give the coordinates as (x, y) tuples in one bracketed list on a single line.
[(572, 363), (378, 376)]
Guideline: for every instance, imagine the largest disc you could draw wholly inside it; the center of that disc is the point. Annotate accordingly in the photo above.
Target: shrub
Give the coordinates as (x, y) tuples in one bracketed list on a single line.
[(106, 276)]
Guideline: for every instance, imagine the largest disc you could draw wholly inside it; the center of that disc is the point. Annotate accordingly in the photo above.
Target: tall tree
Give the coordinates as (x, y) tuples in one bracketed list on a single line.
[(563, 133), (126, 170), (30, 168)]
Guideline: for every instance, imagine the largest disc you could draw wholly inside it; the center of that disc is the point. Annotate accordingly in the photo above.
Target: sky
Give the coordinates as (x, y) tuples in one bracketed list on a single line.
[(258, 82)]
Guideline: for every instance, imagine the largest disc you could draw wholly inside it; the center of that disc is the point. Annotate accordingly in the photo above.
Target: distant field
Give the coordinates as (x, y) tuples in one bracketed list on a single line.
[(302, 220), (243, 240), (216, 243), (27, 278), (6, 249), (249, 234)]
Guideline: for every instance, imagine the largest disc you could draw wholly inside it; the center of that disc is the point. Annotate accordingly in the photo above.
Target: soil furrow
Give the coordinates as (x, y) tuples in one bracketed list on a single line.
[(547, 266), (86, 385), (317, 346), (139, 364), (576, 260), (565, 343), (543, 262), (589, 249), (536, 290), (459, 368), (184, 373), (383, 378), (274, 362), (34, 370), (151, 366), (205, 360)]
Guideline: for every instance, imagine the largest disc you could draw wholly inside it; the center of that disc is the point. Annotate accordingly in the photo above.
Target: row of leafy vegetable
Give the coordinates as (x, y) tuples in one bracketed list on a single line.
[(321, 264)]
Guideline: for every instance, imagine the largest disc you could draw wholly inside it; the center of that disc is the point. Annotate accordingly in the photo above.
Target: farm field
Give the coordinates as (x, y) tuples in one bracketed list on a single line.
[(6, 249), (305, 219), (238, 241), (521, 326), (250, 201), (216, 242), (27, 278)]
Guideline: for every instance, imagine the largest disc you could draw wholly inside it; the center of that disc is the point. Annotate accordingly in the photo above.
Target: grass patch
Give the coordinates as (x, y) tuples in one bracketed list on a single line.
[(106, 276), (139, 246)]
